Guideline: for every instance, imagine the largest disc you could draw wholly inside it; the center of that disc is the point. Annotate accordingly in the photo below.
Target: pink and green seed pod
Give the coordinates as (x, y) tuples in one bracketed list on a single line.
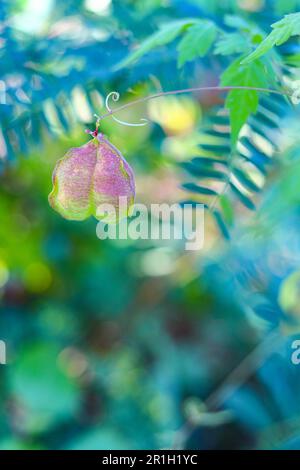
[(89, 177)]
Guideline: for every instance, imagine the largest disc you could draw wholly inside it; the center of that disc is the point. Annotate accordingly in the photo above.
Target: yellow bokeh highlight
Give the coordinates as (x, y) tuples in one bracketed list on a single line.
[(176, 115), (4, 273), (37, 277), (289, 301)]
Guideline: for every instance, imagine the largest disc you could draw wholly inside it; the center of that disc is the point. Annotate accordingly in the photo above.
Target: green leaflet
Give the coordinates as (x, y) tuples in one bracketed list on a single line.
[(242, 103), (196, 42), (293, 60), (221, 224), (231, 43), (239, 179), (227, 209), (288, 26), (167, 33), (194, 188)]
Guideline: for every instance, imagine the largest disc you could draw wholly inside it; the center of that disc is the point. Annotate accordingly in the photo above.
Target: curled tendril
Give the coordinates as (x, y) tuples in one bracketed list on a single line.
[(115, 96)]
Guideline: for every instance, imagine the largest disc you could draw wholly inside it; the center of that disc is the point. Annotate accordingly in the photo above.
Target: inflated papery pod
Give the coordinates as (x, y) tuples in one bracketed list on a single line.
[(93, 180)]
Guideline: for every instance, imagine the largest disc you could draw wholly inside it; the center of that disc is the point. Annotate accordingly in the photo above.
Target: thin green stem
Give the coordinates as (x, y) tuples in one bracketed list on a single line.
[(191, 90)]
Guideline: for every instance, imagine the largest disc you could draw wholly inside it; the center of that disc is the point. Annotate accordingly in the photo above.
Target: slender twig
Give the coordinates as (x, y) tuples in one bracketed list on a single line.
[(191, 90), (244, 370), (236, 378)]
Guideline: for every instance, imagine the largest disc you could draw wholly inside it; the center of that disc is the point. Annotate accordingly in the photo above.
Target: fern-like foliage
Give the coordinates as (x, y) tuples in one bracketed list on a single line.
[(42, 100), (238, 148), (224, 179), (49, 82)]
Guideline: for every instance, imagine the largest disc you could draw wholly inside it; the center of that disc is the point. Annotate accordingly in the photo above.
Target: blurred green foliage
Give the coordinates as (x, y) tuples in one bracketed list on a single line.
[(117, 344)]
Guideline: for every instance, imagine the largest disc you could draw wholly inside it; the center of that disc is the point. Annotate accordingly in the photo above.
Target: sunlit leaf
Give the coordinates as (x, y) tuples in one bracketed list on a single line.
[(166, 34), (281, 32), (241, 103), (196, 42)]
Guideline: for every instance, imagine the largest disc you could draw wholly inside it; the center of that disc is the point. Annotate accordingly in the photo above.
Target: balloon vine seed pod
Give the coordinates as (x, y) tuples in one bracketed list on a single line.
[(92, 178), (96, 173)]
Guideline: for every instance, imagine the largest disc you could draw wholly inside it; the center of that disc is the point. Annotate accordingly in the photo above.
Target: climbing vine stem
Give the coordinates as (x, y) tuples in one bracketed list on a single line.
[(115, 97)]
